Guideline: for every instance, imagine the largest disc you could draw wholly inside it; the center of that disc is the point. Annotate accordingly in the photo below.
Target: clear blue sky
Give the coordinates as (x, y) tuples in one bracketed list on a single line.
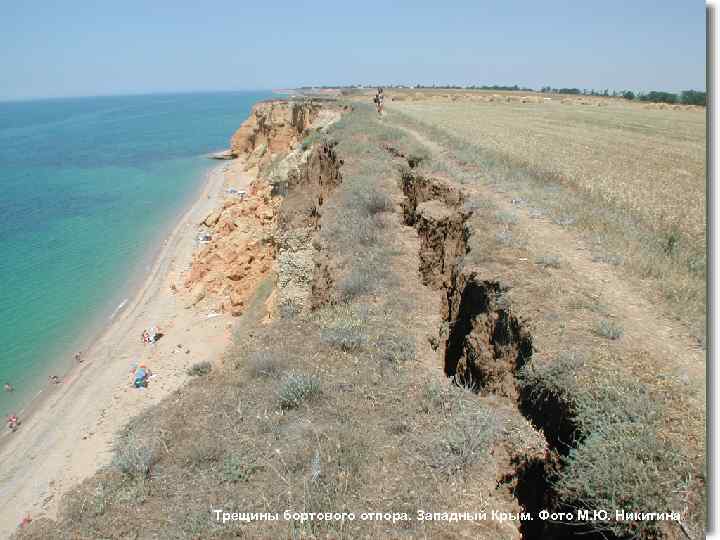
[(84, 47)]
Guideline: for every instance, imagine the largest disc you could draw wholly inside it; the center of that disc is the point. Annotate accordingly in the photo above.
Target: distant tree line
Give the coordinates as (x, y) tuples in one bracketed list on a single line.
[(475, 87), (686, 97)]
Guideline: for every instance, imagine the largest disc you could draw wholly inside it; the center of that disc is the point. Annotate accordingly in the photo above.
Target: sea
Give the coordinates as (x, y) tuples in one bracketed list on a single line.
[(89, 188)]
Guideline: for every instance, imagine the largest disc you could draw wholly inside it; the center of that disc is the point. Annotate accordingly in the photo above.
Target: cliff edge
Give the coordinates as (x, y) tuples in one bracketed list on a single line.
[(273, 127)]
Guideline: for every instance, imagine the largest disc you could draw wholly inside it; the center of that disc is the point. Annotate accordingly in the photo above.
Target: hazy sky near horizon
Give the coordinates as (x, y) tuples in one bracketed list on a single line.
[(83, 47)]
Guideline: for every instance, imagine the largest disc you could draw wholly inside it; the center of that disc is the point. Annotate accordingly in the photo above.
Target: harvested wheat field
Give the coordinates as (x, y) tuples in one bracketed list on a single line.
[(649, 162), (630, 178)]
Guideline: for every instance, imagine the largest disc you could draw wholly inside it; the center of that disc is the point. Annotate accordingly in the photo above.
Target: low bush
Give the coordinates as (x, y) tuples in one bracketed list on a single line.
[(358, 282), (376, 202), (200, 369), (346, 338), (297, 388), (624, 466), (506, 218), (548, 261), (571, 399), (235, 469), (134, 457), (504, 237), (344, 326), (264, 364), (467, 438), (395, 348), (609, 329)]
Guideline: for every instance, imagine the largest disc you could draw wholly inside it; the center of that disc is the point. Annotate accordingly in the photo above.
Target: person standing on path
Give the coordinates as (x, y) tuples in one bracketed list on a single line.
[(379, 101)]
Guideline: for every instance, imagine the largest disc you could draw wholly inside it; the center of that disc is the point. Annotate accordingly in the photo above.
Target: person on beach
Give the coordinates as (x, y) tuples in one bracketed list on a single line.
[(8, 387), (78, 356), (55, 379), (379, 101), (13, 422), (140, 376)]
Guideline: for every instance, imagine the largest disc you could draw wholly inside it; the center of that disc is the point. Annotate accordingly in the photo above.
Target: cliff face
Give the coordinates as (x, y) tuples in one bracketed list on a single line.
[(241, 249), (228, 268), (274, 127)]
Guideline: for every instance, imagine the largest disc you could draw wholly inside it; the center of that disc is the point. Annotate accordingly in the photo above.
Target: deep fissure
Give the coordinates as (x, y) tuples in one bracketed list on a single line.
[(485, 344)]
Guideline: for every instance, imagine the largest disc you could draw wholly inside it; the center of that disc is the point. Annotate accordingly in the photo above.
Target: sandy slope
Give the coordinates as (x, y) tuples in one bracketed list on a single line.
[(69, 431)]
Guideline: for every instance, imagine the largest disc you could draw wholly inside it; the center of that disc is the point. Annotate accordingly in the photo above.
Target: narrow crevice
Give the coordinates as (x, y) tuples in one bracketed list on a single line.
[(529, 485), (485, 346), (550, 414)]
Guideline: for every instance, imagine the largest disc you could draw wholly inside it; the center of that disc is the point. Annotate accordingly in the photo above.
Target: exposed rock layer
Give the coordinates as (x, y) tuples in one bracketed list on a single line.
[(274, 126)]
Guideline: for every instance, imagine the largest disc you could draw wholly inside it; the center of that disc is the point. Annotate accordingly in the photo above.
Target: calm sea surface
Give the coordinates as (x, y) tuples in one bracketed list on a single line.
[(88, 189)]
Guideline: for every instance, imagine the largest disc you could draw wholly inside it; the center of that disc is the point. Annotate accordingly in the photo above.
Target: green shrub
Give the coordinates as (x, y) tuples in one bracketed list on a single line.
[(506, 218), (609, 329), (235, 469), (376, 202), (659, 97), (358, 282), (466, 440), (396, 349), (548, 261), (297, 388), (344, 326), (200, 369), (134, 457), (624, 466)]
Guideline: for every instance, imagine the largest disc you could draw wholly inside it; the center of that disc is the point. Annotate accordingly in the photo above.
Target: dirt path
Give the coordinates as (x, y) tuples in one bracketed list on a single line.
[(642, 320), (68, 435)]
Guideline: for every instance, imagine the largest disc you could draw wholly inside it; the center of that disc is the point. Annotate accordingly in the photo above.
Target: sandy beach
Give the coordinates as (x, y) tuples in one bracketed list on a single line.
[(67, 432)]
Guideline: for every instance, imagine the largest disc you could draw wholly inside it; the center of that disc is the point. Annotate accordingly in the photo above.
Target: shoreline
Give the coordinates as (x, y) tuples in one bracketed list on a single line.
[(71, 426), (118, 301)]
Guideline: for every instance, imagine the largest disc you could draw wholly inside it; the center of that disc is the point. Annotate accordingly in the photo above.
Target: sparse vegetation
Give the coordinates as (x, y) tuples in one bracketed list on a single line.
[(200, 369), (133, 456), (466, 439), (236, 469), (396, 349), (617, 174), (609, 329), (507, 218), (624, 465), (345, 327), (265, 364), (297, 388), (548, 261)]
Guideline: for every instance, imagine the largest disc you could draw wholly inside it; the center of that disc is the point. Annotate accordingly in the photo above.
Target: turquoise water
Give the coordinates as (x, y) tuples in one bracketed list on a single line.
[(88, 188)]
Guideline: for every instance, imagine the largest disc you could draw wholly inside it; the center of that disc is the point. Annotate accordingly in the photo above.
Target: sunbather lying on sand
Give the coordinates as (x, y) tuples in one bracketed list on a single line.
[(151, 335), (13, 422)]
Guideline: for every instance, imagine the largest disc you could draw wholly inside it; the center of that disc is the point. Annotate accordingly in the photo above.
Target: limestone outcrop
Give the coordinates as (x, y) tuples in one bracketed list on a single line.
[(242, 242), (273, 127), (239, 253)]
